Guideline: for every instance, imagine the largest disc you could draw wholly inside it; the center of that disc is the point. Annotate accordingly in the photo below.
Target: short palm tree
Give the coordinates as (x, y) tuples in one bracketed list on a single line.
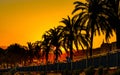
[(33, 50), (37, 48), (55, 36), (30, 51), (45, 46)]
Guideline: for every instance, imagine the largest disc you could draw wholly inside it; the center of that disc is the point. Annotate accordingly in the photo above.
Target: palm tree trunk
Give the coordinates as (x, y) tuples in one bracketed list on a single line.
[(91, 46), (118, 36), (45, 72), (118, 30), (118, 42), (118, 24), (87, 58), (71, 54), (56, 59), (57, 54), (117, 11), (46, 64)]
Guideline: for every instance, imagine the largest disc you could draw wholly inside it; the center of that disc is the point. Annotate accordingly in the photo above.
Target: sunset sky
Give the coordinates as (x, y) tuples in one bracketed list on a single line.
[(23, 21)]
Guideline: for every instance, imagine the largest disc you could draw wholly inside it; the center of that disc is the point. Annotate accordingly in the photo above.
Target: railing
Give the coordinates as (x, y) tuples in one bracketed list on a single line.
[(109, 60)]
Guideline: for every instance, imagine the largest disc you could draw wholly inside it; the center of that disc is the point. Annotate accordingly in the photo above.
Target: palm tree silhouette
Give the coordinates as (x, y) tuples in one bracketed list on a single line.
[(69, 36), (55, 38), (33, 50), (30, 51), (94, 15), (45, 46), (114, 18), (55, 35), (37, 48), (72, 34)]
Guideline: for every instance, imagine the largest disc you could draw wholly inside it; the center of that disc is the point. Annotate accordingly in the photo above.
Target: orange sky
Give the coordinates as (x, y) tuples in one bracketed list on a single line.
[(23, 21)]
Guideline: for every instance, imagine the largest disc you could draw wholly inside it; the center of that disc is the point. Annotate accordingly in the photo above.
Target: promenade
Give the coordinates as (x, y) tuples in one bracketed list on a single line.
[(108, 60)]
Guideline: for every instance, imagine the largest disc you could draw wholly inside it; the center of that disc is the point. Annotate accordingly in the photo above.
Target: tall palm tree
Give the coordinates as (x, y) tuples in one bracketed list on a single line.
[(73, 35), (94, 15), (69, 35)]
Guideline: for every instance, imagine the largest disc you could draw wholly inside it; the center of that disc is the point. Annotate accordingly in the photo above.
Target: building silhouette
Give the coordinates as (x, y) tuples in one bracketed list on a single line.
[(102, 50)]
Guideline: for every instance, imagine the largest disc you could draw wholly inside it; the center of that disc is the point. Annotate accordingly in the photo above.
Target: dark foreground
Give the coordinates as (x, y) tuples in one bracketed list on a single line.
[(111, 60)]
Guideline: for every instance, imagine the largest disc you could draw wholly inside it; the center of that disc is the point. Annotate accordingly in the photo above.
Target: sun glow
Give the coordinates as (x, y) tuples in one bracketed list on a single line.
[(23, 21)]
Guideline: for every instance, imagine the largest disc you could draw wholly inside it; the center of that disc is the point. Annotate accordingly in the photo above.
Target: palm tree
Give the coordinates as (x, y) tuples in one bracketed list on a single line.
[(37, 48), (55, 40), (69, 35), (33, 50), (94, 15), (73, 34), (45, 46), (30, 51), (55, 35), (114, 19)]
